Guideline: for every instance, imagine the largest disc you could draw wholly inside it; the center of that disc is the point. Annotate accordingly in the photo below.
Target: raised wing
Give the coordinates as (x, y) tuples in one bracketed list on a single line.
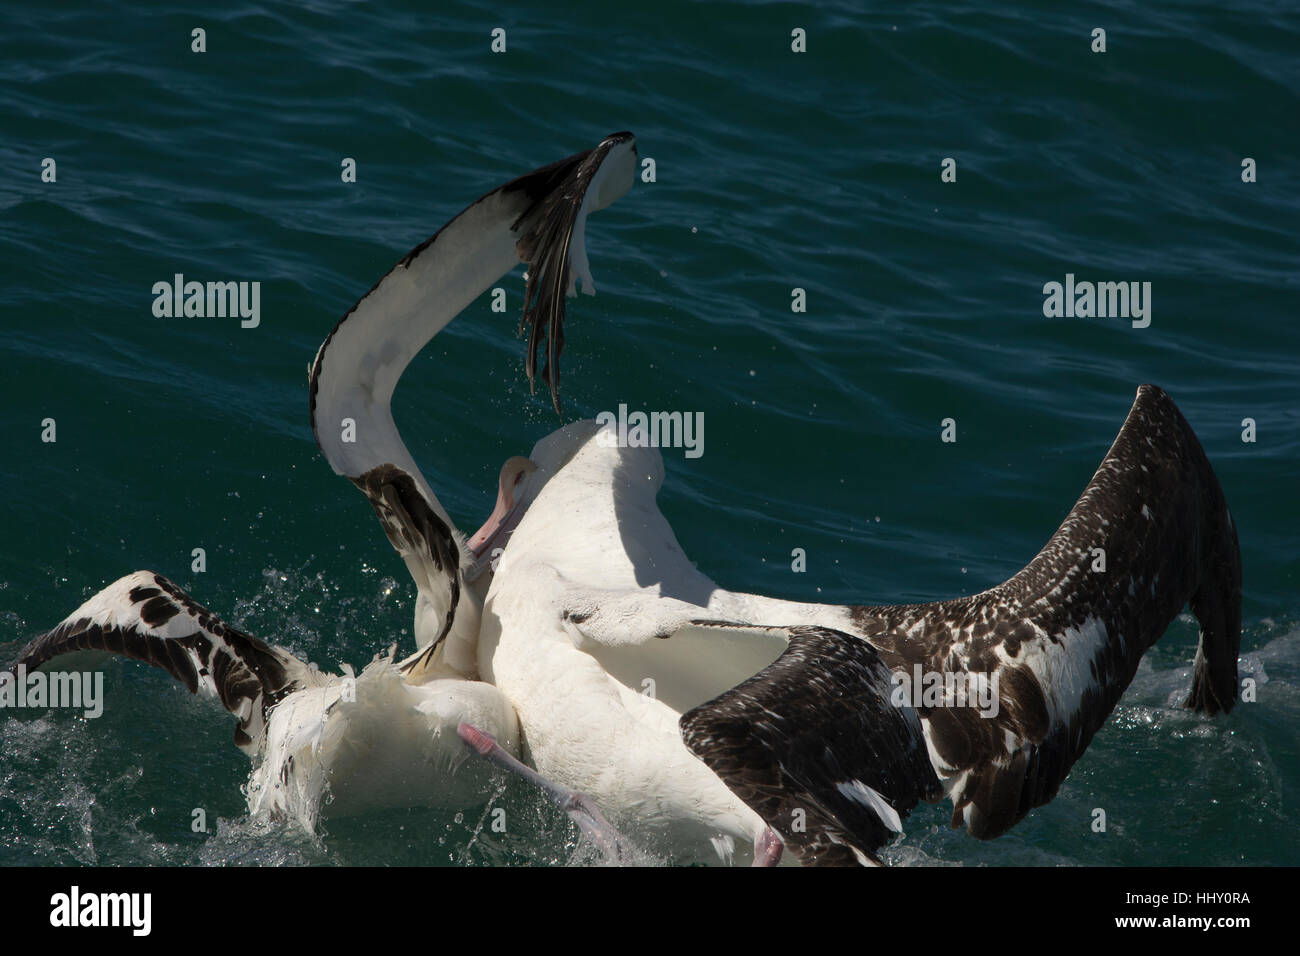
[(536, 219), (1010, 685)]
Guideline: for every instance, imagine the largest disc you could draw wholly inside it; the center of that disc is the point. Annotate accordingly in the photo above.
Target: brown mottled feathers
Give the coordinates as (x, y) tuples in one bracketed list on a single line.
[(146, 617), (1062, 638)]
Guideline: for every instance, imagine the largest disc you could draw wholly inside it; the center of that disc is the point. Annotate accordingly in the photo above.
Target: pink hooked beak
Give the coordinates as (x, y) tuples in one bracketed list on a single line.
[(507, 513)]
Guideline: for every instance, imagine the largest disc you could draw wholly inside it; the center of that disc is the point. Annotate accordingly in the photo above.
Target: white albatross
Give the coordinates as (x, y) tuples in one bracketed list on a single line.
[(695, 716), (370, 740), (387, 736), (772, 724)]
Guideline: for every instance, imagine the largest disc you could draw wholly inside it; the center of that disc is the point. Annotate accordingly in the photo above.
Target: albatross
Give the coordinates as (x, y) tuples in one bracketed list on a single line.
[(709, 725), (370, 740), (387, 736), (772, 725)]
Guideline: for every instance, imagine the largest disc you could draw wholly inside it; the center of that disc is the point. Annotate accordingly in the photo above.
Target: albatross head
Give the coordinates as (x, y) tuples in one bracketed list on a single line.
[(509, 509), (520, 482)]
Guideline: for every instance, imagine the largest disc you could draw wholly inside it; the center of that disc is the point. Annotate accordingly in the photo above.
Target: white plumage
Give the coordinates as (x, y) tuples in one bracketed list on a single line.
[(709, 725)]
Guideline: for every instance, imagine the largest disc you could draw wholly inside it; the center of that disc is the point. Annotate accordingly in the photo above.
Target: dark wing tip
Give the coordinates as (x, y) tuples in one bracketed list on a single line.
[(1211, 534), (413, 528), (545, 232)]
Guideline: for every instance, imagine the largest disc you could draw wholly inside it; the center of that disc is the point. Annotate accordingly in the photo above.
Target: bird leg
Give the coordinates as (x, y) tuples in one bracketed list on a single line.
[(580, 807)]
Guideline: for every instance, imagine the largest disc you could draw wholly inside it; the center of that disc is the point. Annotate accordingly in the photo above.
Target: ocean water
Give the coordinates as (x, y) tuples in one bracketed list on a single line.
[(775, 170)]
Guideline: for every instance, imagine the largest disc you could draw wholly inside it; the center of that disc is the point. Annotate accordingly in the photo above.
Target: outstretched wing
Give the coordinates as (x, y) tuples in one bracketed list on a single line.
[(531, 219), (536, 219), (1010, 685), (145, 617), (1150, 534)]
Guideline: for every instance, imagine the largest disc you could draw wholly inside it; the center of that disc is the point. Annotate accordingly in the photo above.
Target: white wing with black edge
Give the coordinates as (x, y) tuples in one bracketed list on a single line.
[(428, 545), (145, 617), (1060, 641), (536, 219)]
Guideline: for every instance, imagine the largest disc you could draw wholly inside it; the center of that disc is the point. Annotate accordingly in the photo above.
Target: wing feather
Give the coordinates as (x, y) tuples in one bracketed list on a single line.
[(1063, 637), (1056, 646), (146, 617), (360, 362)]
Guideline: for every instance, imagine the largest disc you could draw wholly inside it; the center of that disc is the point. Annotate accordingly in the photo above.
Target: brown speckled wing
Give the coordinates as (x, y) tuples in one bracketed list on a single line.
[(146, 617), (1064, 638)]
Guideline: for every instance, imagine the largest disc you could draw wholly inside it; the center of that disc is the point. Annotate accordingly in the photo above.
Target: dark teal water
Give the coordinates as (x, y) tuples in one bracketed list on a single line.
[(774, 170)]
